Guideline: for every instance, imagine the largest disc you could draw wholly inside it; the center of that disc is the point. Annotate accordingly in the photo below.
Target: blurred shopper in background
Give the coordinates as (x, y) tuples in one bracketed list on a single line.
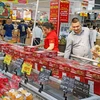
[(23, 30), (30, 24), (1, 30), (95, 34), (79, 41), (37, 34), (51, 38), (8, 27)]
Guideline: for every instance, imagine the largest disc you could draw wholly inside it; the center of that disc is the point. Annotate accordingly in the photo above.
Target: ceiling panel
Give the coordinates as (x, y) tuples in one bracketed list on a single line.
[(44, 5)]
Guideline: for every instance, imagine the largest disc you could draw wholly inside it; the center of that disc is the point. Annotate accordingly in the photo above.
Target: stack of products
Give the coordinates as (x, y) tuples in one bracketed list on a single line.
[(59, 66)]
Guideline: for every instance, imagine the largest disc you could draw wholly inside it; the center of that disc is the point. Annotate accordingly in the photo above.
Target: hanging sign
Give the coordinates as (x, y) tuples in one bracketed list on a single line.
[(54, 13), (13, 1), (64, 11), (4, 10)]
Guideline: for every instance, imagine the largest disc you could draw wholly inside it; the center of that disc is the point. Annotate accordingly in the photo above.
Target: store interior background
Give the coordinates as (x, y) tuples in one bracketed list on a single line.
[(91, 12), (75, 8)]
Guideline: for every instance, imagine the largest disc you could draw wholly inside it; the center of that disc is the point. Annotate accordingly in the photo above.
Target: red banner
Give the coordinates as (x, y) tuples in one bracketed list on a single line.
[(64, 11), (54, 13)]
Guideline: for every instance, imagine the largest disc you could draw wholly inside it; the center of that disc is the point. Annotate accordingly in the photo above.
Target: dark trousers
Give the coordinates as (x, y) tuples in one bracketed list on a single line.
[(36, 41)]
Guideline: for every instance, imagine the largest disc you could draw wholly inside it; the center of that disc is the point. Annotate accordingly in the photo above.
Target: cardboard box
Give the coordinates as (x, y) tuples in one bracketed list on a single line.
[(93, 73), (39, 54), (94, 85), (51, 53), (30, 48)]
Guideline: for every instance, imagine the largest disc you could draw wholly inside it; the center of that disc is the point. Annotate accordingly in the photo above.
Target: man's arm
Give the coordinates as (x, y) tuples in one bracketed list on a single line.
[(91, 39), (68, 49)]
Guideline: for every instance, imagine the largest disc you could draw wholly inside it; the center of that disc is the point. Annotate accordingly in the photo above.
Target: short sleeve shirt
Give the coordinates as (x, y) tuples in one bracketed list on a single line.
[(51, 38)]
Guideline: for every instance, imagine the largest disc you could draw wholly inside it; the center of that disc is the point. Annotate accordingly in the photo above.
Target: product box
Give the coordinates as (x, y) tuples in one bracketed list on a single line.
[(78, 72), (36, 64), (30, 48), (39, 54), (21, 54), (28, 55), (54, 67), (64, 69), (94, 85), (62, 59), (51, 53), (93, 73)]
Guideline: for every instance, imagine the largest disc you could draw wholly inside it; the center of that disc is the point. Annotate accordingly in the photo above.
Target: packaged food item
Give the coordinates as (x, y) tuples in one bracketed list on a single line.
[(6, 98), (19, 97), (30, 48), (94, 85), (28, 96)]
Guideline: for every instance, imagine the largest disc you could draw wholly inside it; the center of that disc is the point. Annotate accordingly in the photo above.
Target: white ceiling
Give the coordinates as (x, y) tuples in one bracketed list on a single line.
[(44, 5)]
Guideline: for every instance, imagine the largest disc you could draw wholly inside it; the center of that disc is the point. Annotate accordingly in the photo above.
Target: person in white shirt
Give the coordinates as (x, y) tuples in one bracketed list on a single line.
[(38, 35), (95, 33)]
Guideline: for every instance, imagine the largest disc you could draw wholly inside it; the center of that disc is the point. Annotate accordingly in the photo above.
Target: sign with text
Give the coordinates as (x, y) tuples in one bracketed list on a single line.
[(26, 68), (44, 75), (7, 59), (77, 88), (64, 11), (4, 10), (54, 13), (13, 1), (18, 63)]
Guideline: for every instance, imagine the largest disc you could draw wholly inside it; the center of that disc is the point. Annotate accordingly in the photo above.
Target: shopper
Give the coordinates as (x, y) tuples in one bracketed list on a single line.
[(95, 34), (79, 41), (8, 27), (51, 38), (23, 29), (38, 35), (1, 30)]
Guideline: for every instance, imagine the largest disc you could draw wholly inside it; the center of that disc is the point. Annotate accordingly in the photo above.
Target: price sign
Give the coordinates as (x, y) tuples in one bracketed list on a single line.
[(67, 84), (80, 89), (77, 88), (26, 67), (18, 63), (44, 75), (7, 59)]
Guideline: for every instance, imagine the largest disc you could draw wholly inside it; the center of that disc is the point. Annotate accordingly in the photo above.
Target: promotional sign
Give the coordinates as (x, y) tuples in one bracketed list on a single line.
[(64, 11), (77, 88), (14, 15), (59, 12), (54, 13), (13, 1), (4, 10), (27, 14), (84, 4), (7, 59), (26, 68)]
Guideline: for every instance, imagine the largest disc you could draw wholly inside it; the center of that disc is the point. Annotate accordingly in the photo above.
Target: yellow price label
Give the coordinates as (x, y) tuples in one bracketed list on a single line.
[(7, 59), (26, 67)]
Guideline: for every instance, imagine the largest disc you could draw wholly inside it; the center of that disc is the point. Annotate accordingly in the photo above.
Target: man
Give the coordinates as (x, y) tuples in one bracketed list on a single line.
[(38, 35), (23, 29), (8, 27), (95, 34), (79, 41)]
